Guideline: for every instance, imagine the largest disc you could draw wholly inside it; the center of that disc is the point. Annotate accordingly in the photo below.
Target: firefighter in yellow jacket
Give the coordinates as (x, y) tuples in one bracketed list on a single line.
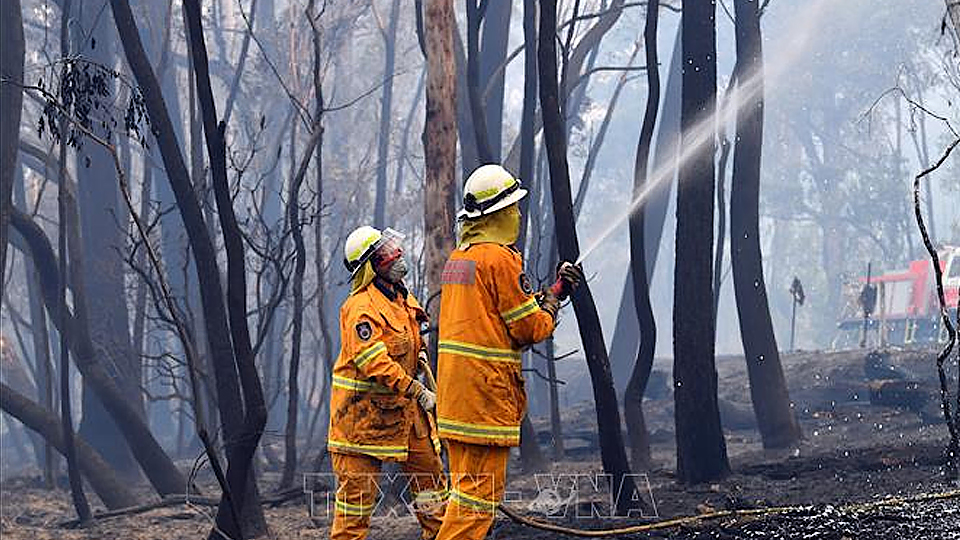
[(379, 411), (488, 314)]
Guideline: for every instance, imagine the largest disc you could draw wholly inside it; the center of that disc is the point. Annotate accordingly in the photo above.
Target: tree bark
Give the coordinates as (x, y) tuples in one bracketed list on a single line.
[(104, 481), (768, 388), (439, 145), (612, 452), (156, 465), (701, 449), (11, 101), (633, 395)]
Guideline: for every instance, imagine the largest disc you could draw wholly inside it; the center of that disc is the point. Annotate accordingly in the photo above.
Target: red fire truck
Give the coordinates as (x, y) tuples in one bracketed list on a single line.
[(906, 310)]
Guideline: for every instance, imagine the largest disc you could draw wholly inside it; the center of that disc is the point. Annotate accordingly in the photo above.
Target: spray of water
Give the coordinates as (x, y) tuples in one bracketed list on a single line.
[(799, 37)]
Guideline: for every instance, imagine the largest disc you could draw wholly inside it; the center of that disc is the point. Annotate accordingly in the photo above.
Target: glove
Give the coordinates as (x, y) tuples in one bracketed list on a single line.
[(548, 301), (569, 277), (426, 398)]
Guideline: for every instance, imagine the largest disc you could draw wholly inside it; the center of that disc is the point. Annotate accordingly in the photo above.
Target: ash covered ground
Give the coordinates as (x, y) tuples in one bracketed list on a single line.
[(854, 453)]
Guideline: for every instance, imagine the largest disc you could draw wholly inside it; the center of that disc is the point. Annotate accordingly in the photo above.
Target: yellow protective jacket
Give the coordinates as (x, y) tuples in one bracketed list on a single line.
[(380, 340), (488, 314)]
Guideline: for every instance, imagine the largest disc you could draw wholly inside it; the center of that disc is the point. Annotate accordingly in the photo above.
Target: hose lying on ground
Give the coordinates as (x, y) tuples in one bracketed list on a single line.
[(692, 520)]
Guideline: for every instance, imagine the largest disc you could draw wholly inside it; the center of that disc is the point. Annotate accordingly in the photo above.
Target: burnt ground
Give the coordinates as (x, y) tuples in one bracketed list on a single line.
[(852, 453)]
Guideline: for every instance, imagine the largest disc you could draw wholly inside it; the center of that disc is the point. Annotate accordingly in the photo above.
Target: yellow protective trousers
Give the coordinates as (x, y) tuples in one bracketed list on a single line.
[(357, 489), (478, 476)]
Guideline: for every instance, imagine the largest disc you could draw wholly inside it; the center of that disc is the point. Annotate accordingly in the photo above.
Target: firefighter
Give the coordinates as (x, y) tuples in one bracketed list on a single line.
[(379, 411), (489, 313)]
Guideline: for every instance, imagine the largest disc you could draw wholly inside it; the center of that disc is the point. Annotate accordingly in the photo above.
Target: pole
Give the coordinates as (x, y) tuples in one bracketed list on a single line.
[(793, 322)]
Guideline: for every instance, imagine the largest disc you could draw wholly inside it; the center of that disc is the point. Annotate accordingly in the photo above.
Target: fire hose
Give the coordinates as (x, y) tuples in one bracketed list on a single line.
[(755, 513)]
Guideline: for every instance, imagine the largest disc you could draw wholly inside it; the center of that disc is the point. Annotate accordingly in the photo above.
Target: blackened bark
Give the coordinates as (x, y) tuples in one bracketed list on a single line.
[(531, 457), (156, 465), (104, 481), (11, 101), (528, 115), (612, 452), (701, 449), (242, 434), (477, 114), (77, 495), (386, 113), (633, 395), (493, 53), (768, 388)]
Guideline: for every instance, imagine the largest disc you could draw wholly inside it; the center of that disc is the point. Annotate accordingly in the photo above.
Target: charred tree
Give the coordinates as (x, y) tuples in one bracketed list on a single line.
[(626, 333), (156, 465), (768, 388), (528, 115), (633, 395), (106, 484), (11, 101), (439, 144), (612, 452), (243, 426), (701, 449), (493, 53), (386, 113), (77, 495), (475, 11)]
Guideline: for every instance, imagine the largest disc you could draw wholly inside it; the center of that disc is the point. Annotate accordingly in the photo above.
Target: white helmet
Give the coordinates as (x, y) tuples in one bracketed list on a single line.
[(488, 189), (363, 242)]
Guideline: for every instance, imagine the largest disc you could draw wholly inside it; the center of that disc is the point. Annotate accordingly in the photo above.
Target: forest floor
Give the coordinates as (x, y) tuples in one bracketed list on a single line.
[(853, 454)]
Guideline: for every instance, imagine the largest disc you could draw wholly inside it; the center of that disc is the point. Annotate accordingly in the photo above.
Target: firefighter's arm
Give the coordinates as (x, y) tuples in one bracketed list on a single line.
[(369, 355), (527, 322)]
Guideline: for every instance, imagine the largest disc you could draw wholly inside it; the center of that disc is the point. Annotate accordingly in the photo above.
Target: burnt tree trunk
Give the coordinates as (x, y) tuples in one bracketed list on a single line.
[(11, 101), (768, 388), (219, 333), (633, 395), (612, 452), (156, 465), (701, 449), (244, 426), (386, 112), (626, 333), (439, 144), (493, 53), (478, 116), (104, 481), (528, 114)]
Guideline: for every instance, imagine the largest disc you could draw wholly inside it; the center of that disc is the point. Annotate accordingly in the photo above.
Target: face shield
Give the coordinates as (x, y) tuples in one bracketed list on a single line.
[(389, 249)]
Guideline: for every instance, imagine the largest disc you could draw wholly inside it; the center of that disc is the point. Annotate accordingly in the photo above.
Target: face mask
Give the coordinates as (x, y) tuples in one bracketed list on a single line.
[(397, 270)]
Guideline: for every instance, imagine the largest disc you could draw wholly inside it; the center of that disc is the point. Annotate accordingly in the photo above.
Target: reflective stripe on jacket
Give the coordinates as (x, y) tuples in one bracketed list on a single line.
[(488, 314), (380, 339)]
